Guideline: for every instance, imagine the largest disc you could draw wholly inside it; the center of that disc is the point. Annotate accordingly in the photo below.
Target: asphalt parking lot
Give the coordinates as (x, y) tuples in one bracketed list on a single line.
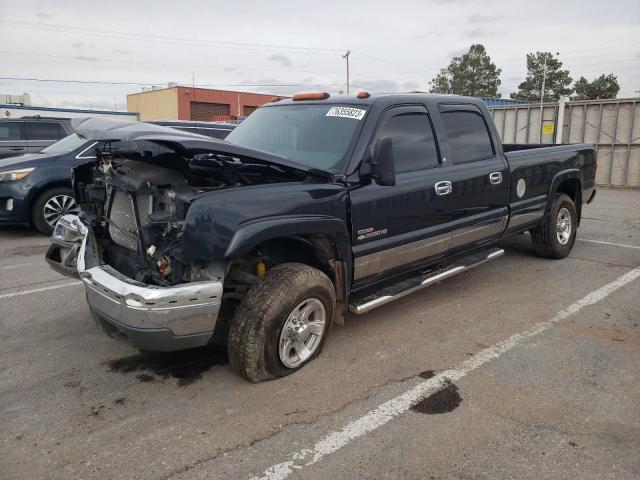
[(535, 365)]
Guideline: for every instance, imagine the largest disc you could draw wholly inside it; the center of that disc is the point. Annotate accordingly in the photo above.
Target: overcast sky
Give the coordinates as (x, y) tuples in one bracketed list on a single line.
[(262, 45)]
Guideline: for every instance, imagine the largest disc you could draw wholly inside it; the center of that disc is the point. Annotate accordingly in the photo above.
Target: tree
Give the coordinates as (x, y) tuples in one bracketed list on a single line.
[(556, 83), (471, 74), (605, 86)]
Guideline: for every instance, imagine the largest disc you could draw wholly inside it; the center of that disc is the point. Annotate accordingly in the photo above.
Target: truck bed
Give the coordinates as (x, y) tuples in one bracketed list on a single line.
[(517, 149)]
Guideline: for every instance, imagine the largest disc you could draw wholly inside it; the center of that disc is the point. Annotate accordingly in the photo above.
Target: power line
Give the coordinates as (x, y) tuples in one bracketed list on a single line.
[(164, 38), (140, 62), (105, 82)]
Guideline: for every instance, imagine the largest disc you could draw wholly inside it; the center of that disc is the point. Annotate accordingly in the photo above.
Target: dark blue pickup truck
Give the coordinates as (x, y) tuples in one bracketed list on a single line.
[(314, 208)]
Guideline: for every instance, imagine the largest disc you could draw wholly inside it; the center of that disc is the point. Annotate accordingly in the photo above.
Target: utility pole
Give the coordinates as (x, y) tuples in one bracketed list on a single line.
[(544, 80), (346, 56)]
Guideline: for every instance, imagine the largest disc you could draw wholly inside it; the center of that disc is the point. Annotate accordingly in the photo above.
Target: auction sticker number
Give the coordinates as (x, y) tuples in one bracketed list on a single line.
[(346, 112)]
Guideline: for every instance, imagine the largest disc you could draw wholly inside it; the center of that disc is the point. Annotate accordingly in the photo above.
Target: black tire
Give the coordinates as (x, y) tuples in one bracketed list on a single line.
[(545, 236), (37, 208), (254, 336)]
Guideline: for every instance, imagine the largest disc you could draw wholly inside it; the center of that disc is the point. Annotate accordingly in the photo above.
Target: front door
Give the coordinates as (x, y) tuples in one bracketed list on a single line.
[(396, 227), (12, 139)]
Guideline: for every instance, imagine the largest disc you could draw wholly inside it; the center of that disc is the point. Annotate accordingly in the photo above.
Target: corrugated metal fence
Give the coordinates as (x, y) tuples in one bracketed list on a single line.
[(612, 125)]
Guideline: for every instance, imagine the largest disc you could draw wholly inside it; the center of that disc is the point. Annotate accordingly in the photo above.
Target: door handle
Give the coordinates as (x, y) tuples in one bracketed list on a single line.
[(443, 188), (495, 178)]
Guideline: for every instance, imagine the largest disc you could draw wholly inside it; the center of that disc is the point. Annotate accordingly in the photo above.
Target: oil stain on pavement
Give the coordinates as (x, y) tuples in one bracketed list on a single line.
[(187, 365), (444, 401)]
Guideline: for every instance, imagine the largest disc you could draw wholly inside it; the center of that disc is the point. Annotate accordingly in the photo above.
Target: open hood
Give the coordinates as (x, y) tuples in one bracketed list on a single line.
[(105, 129)]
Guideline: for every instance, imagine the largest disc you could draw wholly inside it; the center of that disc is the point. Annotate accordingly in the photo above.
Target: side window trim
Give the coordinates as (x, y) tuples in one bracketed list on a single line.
[(81, 155), (395, 110)]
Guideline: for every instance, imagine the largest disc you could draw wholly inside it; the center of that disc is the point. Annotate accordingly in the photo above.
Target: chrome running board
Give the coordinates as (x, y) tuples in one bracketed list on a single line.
[(405, 287)]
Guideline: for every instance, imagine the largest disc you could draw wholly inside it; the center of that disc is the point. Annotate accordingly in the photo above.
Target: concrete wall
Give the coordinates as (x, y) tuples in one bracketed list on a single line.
[(159, 104), (612, 125)]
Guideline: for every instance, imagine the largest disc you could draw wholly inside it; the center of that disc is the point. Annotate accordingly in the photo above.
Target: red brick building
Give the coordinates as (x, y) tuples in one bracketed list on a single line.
[(186, 103)]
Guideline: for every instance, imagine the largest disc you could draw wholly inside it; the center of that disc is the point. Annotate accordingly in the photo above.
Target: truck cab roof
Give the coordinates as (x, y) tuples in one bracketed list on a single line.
[(383, 99)]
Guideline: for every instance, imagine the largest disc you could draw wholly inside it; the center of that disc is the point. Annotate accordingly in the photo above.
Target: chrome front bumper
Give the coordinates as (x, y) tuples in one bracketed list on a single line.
[(127, 305)]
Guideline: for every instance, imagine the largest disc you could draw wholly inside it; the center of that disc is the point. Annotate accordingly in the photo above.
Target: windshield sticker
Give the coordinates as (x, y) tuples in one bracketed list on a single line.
[(346, 112)]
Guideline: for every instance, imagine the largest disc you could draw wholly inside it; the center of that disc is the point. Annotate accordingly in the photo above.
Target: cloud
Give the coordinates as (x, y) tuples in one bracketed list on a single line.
[(480, 32), (480, 18), (77, 45), (383, 85), (86, 58), (457, 52), (281, 59), (411, 86), (121, 51), (43, 15)]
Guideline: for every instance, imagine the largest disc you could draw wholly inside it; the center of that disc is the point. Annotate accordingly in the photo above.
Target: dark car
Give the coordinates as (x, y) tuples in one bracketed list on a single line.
[(36, 188), (31, 134), (312, 208)]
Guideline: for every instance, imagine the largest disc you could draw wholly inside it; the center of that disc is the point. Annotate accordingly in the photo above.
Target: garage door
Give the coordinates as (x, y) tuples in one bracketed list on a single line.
[(248, 110), (206, 111)]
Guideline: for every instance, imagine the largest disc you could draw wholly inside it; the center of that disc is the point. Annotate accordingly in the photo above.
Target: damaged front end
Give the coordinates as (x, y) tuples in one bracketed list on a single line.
[(127, 244), (150, 317)]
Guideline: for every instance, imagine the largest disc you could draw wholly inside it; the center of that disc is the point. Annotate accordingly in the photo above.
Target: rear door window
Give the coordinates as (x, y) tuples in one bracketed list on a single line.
[(44, 131), (11, 131), (468, 136)]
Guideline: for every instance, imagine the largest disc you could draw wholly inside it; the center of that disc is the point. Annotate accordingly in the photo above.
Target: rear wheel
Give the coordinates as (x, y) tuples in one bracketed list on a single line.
[(49, 206), (555, 236), (281, 323)]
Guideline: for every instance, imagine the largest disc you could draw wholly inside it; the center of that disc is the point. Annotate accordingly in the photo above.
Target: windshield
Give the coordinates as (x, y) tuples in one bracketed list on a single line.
[(66, 145), (315, 135)]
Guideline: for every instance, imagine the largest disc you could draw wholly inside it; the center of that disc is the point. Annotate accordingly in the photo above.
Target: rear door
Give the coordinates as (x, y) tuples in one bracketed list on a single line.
[(12, 139), (41, 134), (396, 228), (478, 174)]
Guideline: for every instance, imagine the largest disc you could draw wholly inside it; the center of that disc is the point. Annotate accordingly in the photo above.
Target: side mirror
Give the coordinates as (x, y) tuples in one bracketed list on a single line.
[(382, 163)]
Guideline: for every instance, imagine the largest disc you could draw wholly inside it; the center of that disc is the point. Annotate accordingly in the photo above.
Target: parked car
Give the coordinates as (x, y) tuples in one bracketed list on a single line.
[(36, 188), (314, 207), (31, 134)]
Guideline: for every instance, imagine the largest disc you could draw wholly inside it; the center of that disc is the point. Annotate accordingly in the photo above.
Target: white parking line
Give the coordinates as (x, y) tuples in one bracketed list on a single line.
[(43, 289), (623, 245), (19, 265), (386, 412)]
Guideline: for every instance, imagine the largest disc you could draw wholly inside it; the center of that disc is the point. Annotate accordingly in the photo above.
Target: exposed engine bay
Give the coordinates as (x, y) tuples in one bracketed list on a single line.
[(137, 203)]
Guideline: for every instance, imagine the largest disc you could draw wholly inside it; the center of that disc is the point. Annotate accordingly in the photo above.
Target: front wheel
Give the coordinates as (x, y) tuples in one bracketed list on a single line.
[(555, 236), (49, 206), (281, 323)]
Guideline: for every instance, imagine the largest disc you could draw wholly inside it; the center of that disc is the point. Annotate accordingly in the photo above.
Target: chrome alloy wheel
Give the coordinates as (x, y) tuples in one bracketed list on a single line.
[(563, 226), (58, 206), (302, 333)]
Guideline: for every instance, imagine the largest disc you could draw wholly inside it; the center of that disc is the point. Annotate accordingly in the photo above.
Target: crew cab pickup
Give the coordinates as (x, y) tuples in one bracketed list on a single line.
[(313, 209)]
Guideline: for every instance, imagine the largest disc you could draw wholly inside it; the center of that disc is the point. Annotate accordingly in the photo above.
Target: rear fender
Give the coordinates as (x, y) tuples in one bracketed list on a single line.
[(558, 180)]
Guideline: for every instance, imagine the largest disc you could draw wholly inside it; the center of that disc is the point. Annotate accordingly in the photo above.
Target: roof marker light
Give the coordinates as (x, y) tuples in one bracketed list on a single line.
[(363, 94), (310, 96)]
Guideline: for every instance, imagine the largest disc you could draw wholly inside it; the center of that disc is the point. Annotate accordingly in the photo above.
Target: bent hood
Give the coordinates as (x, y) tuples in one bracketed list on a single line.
[(105, 129)]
